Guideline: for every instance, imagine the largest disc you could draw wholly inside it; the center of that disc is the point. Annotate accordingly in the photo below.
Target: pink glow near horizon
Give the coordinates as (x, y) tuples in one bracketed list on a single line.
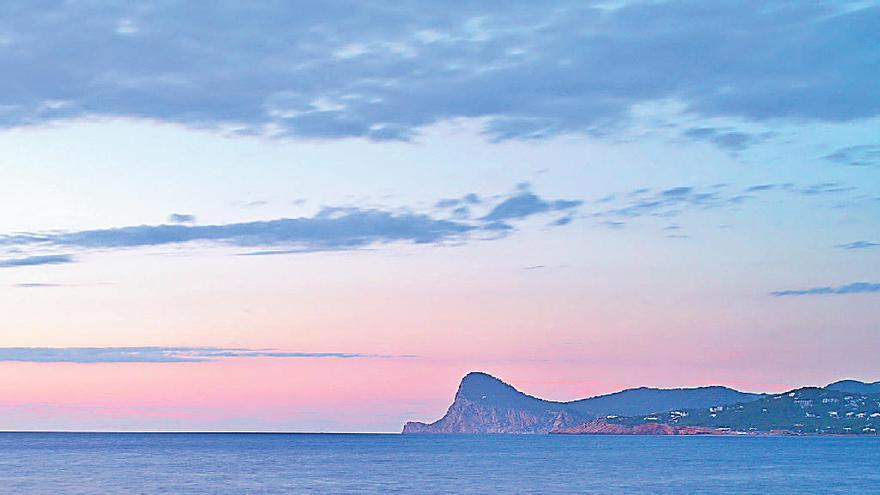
[(513, 191), (289, 391)]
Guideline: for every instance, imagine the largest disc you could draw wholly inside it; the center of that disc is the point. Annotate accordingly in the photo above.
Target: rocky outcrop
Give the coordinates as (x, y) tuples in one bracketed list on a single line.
[(485, 404), (465, 416), (601, 427)]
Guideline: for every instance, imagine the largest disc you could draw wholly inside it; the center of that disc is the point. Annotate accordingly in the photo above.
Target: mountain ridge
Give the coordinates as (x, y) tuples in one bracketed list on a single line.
[(486, 404), (855, 386), (807, 410)]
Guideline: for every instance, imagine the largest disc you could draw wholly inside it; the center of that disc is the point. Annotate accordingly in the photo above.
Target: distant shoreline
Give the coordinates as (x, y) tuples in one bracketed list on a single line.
[(429, 435)]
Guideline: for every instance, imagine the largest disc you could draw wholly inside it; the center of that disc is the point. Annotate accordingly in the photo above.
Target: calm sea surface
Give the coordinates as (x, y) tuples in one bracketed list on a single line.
[(110, 463)]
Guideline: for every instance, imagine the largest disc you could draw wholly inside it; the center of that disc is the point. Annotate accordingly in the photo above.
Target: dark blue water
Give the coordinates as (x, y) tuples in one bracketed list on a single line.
[(110, 463)]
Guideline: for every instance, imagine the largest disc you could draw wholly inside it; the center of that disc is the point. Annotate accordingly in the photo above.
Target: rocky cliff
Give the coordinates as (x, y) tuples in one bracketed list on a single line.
[(485, 404)]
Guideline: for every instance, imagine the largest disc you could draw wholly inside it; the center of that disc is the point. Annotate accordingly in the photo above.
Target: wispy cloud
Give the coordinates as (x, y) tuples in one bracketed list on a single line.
[(817, 189), (338, 228), (181, 218), (331, 229), (150, 354), (51, 285), (729, 139), (853, 288), (824, 188), (613, 225), (674, 201), (467, 199), (53, 259), (859, 245), (669, 202), (856, 156)]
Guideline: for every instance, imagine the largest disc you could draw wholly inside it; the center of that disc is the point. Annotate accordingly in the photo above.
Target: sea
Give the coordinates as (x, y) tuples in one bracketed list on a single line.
[(248, 463)]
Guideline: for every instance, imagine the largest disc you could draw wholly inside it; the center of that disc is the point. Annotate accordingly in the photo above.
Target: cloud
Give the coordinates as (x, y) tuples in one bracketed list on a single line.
[(526, 204), (52, 259), (817, 189), (824, 188), (613, 225), (49, 285), (856, 156), (858, 245), (670, 202), (181, 218), (447, 203), (760, 187), (498, 227), (461, 213), (726, 138), (462, 202), (853, 288), (472, 198), (331, 229), (384, 71), (677, 192), (161, 354)]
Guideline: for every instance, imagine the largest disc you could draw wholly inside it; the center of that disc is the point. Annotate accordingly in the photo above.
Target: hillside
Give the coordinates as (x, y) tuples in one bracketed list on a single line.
[(485, 404), (808, 410), (855, 387)]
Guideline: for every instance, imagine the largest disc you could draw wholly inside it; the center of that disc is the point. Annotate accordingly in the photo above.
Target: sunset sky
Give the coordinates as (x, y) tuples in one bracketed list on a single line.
[(298, 217)]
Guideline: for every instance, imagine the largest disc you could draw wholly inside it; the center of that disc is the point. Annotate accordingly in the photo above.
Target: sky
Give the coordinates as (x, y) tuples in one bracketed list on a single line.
[(286, 216)]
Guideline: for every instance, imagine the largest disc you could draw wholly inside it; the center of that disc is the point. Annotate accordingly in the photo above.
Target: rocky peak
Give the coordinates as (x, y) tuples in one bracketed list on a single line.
[(483, 388)]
